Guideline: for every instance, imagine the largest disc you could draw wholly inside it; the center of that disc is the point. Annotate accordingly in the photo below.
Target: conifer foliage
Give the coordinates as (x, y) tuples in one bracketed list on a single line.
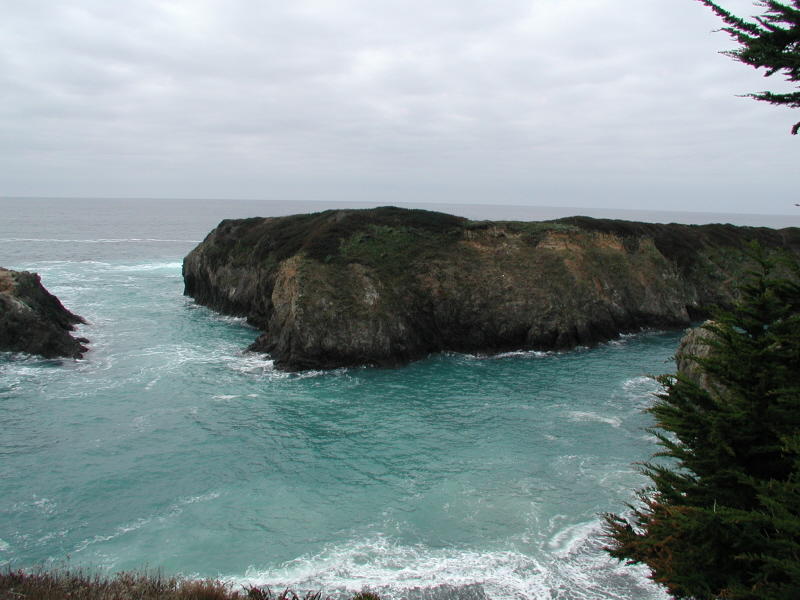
[(771, 41), (722, 516)]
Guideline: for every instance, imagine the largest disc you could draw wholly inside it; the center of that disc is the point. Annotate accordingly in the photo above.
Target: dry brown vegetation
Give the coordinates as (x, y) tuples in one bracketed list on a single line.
[(80, 585)]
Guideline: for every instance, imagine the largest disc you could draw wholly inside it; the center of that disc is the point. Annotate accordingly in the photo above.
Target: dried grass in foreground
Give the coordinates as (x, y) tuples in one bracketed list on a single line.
[(79, 585)]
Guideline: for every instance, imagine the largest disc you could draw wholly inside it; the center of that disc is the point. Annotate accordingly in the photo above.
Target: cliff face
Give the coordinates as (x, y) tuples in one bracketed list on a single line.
[(385, 286), (32, 320), (696, 343)]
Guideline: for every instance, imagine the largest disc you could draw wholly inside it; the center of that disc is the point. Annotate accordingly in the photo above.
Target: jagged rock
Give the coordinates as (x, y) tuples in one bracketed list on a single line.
[(34, 321), (385, 286)]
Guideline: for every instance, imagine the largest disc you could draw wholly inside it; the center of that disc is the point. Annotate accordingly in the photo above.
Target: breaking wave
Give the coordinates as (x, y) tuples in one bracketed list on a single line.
[(573, 567)]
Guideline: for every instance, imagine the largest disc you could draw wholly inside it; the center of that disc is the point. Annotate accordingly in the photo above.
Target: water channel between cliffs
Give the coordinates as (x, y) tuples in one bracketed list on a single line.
[(168, 447)]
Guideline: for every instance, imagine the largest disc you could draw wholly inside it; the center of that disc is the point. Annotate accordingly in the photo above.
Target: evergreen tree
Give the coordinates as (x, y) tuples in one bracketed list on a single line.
[(722, 517), (771, 41)]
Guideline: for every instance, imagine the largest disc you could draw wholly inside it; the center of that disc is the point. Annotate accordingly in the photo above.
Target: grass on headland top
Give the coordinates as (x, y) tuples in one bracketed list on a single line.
[(79, 585)]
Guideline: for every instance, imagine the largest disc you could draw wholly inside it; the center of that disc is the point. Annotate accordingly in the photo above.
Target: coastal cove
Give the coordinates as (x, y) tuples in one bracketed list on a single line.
[(167, 446)]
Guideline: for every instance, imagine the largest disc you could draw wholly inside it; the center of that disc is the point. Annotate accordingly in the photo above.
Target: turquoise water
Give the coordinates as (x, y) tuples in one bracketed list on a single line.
[(168, 447)]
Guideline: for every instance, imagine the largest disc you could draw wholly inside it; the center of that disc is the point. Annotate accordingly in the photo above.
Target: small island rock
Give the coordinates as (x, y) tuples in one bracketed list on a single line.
[(34, 321)]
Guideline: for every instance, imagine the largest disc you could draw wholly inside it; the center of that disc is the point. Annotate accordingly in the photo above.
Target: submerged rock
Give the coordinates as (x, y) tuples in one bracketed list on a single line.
[(33, 320), (388, 285)]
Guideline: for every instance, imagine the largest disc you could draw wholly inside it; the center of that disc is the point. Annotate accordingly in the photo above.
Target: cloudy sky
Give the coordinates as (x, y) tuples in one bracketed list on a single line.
[(594, 103)]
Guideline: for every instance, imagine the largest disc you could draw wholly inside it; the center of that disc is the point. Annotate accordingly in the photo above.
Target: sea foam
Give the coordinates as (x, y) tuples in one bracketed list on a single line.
[(572, 570)]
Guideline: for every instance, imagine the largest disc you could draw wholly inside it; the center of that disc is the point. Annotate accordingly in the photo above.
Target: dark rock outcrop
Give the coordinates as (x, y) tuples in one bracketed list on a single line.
[(385, 286), (34, 321)]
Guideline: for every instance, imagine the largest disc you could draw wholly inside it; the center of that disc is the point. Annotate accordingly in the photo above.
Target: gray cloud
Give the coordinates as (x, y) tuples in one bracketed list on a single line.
[(618, 103)]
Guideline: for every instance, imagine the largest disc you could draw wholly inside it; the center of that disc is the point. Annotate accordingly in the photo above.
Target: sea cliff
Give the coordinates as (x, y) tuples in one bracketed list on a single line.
[(385, 286), (34, 321)]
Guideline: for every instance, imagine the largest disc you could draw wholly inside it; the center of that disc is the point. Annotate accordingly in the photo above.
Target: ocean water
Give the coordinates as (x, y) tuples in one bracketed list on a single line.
[(167, 447)]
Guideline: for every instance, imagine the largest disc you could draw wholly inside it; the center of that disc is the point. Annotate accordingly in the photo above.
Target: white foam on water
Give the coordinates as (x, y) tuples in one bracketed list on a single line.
[(4, 546), (585, 416), (617, 342), (45, 505), (252, 363), (119, 531), (52, 535), (175, 356), (174, 265), (510, 354), (640, 390), (342, 371), (521, 354), (569, 539), (589, 569), (201, 498), (260, 365), (172, 511), (212, 315), (379, 564), (641, 385), (72, 262), (623, 338), (229, 319), (577, 570)]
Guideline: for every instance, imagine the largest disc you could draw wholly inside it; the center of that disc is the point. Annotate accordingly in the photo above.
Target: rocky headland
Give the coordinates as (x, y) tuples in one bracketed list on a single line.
[(388, 285), (33, 320)]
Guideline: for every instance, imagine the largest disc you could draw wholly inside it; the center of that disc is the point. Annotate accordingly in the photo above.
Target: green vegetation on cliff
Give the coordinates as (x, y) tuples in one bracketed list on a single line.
[(325, 236), (387, 285)]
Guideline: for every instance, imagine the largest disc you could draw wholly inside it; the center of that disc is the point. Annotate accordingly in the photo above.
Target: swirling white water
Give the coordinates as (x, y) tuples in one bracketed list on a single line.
[(168, 447)]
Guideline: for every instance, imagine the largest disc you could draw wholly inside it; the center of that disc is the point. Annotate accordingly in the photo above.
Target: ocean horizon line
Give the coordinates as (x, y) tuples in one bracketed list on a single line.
[(474, 210)]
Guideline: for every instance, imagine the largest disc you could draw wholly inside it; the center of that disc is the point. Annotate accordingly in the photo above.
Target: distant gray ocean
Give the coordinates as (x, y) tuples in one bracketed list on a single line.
[(167, 446)]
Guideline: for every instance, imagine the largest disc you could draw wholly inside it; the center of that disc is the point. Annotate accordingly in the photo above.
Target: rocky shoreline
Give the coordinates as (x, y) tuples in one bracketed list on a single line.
[(385, 286), (32, 320)]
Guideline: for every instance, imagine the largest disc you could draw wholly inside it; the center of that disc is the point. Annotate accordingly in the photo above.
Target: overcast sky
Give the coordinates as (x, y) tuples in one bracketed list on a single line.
[(593, 103)]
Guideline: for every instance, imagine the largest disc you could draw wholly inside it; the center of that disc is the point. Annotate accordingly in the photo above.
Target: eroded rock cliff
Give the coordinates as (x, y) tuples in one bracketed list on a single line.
[(385, 286), (33, 320), (694, 344)]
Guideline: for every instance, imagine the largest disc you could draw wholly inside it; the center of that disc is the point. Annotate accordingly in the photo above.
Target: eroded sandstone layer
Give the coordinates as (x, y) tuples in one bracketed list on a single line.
[(388, 285)]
